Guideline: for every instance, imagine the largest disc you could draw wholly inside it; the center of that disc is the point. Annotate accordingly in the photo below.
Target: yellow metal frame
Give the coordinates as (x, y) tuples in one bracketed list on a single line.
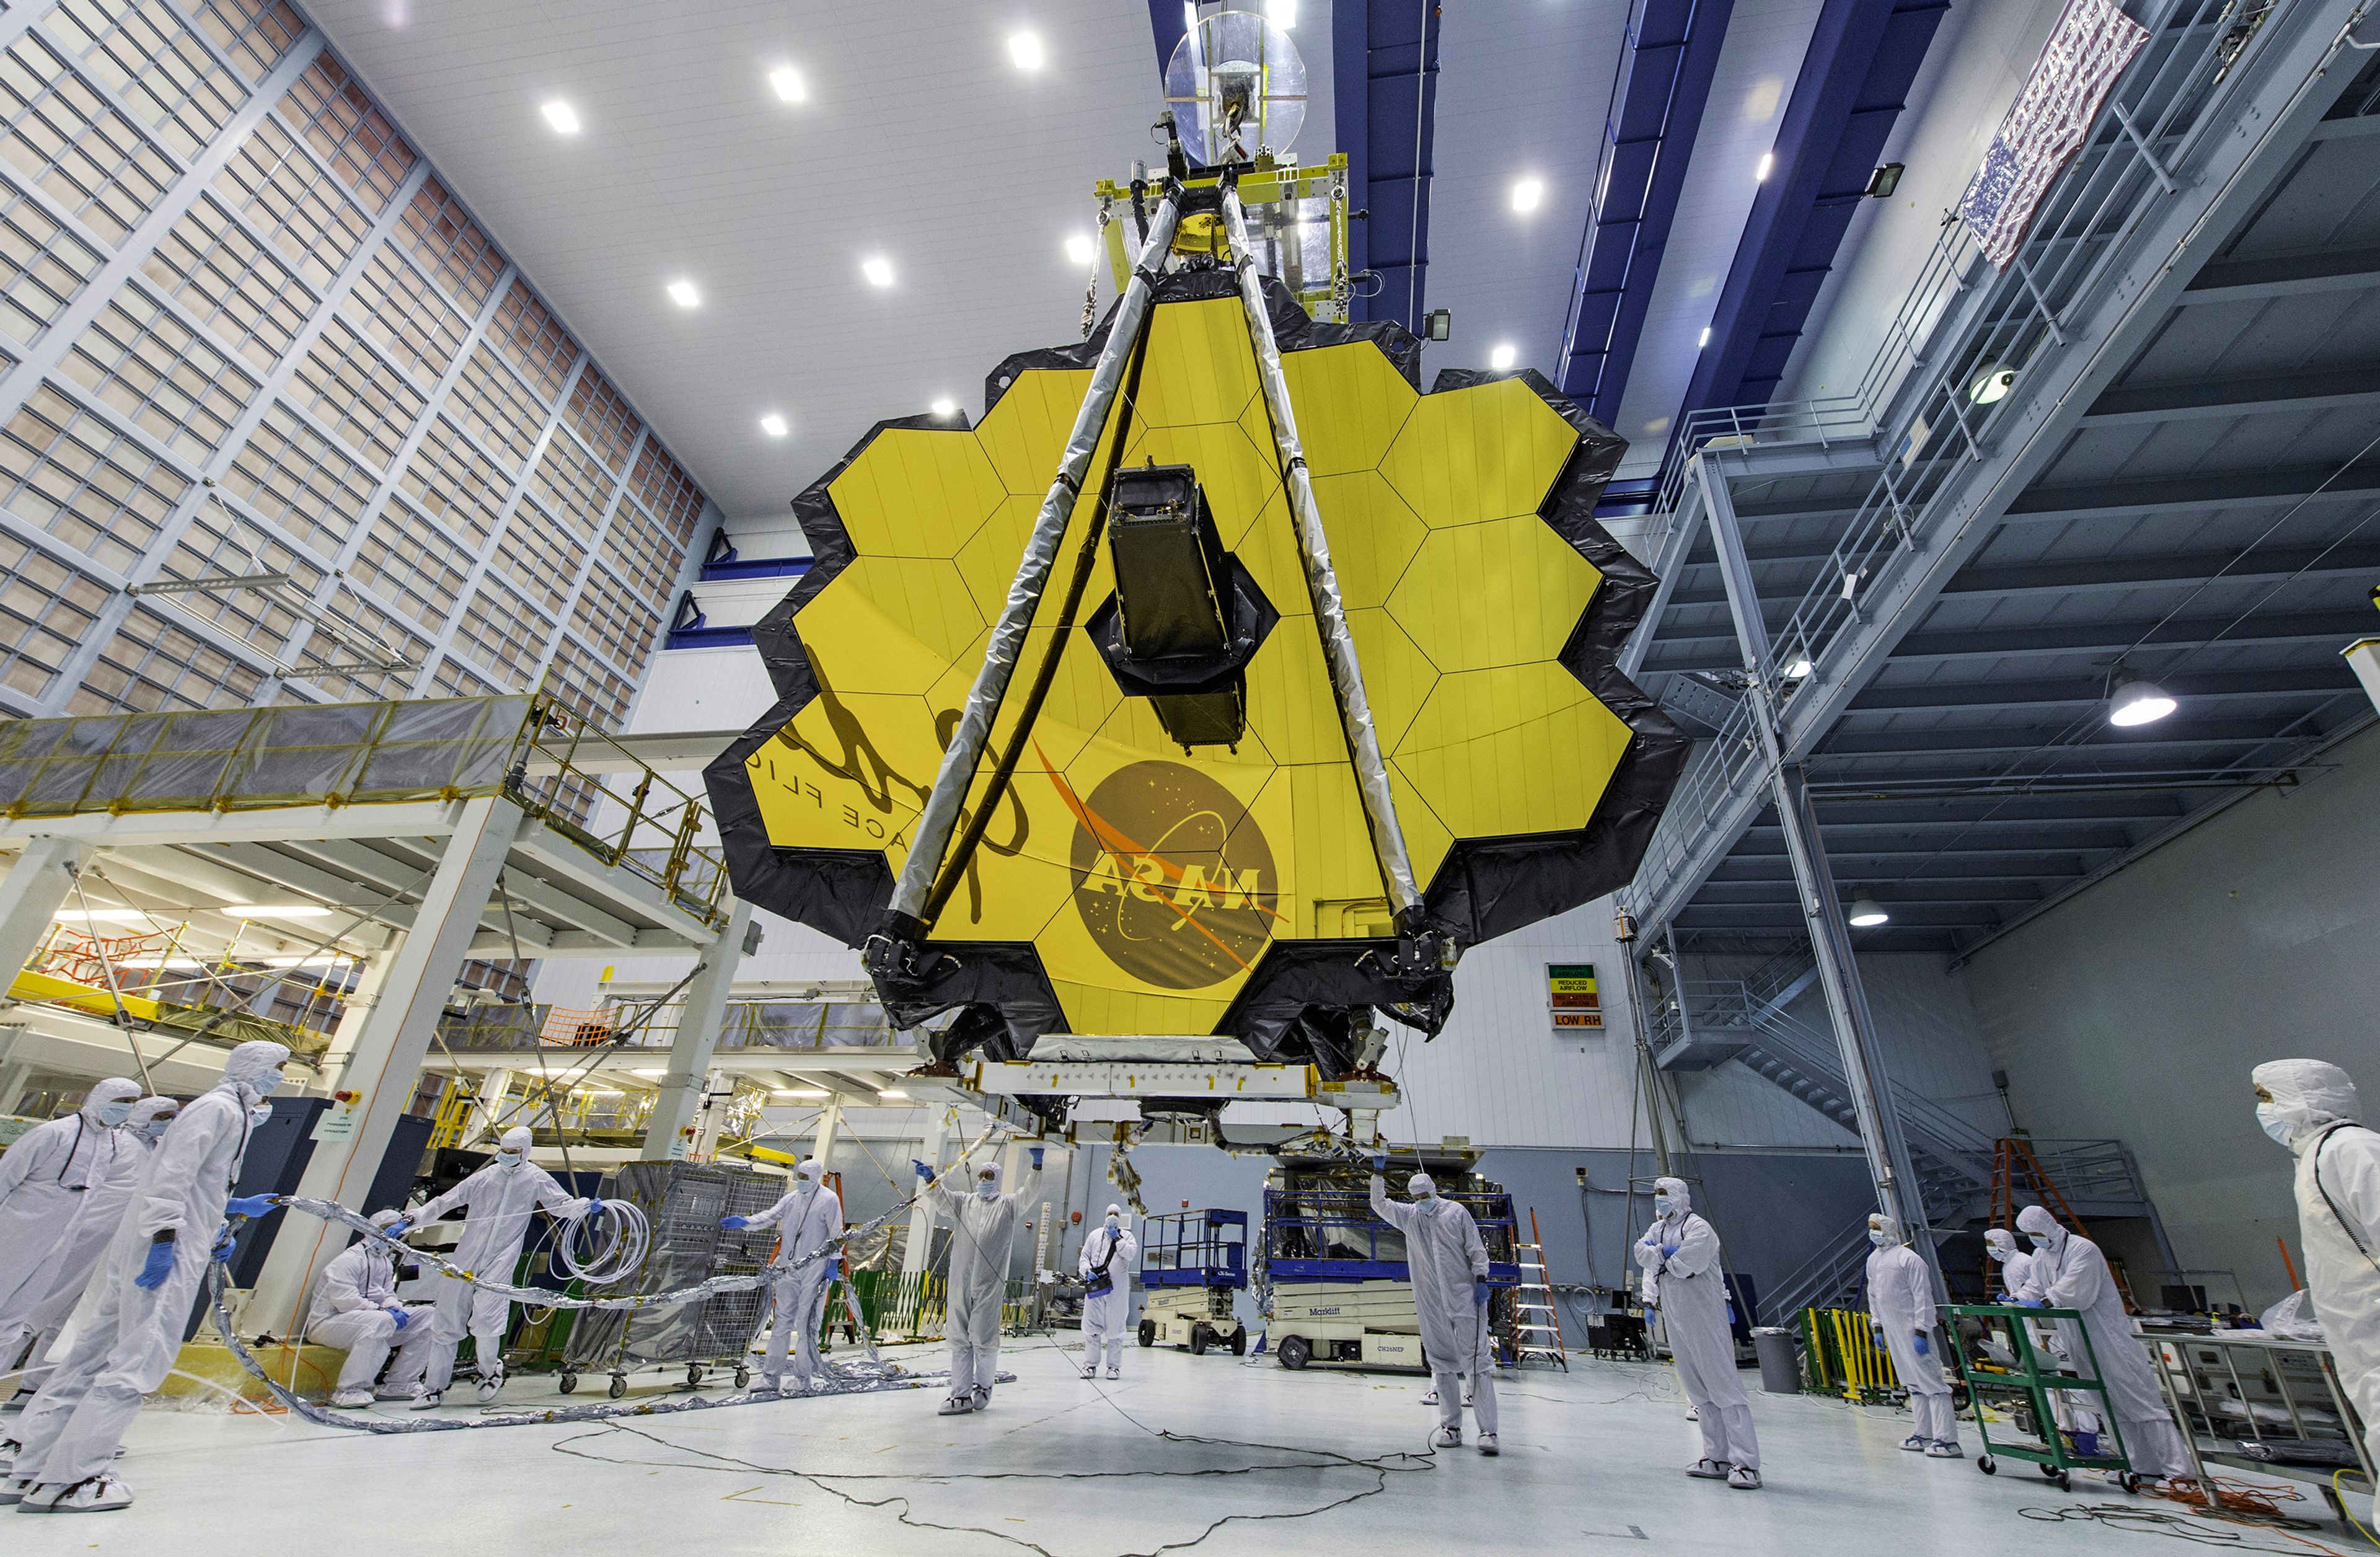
[(1261, 186)]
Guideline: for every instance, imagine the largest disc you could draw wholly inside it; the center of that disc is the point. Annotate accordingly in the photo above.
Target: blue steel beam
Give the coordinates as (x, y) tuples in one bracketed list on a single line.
[(1169, 22), (1672, 49), (1862, 57), (1384, 76)]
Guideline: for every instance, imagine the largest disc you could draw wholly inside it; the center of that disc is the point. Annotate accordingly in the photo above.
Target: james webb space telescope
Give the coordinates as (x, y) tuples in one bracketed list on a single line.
[(1213, 692)]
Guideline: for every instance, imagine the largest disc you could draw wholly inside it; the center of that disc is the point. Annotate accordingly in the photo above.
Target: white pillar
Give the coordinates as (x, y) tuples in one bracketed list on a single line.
[(388, 1054), (30, 897), (488, 1112), (829, 1121), (355, 1012), (914, 1251), (697, 1040)]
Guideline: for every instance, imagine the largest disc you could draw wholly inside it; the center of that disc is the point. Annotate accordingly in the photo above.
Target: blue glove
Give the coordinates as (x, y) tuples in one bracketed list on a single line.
[(1924, 1347), (1878, 1330), (1669, 1251), (399, 1315), (594, 1206), (735, 1224), (398, 1228), (250, 1205), (2032, 1302), (1478, 1292), (1036, 1153), (1380, 1161), (225, 1244), (156, 1268), (925, 1170)]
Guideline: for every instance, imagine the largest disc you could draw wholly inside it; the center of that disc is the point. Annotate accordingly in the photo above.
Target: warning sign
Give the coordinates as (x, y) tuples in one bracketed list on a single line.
[(1572, 995)]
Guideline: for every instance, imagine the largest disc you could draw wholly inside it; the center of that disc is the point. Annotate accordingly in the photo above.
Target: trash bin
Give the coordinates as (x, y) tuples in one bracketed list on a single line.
[(1780, 1361)]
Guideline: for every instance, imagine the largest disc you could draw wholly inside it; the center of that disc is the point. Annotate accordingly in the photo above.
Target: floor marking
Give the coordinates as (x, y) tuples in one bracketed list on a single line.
[(746, 1497), (1634, 1534)]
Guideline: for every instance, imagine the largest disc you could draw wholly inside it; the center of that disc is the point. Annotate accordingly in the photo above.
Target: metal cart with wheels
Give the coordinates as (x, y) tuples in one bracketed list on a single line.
[(1191, 1265), (2004, 1367)]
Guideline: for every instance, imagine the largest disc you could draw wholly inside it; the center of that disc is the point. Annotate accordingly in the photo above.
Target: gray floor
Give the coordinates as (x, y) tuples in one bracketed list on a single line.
[(1590, 1460)]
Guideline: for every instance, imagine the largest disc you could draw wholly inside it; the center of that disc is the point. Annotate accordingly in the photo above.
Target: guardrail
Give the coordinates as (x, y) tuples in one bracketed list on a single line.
[(1989, 325)]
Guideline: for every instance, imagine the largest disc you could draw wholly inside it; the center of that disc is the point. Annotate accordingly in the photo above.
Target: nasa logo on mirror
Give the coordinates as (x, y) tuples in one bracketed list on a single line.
[(1172, 878)]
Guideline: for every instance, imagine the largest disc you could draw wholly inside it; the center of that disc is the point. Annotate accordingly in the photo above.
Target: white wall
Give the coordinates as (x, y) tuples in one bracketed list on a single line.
[(2137, 1008)]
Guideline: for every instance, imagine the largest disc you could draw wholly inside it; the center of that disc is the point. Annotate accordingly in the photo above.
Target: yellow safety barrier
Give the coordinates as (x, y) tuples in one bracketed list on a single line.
[(1858, 1365)]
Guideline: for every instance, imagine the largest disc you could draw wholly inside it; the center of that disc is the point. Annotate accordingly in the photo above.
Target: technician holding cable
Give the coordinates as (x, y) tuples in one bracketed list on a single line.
[(500, 1199), (1449, 1266), (811, 1215), (983, 1234)]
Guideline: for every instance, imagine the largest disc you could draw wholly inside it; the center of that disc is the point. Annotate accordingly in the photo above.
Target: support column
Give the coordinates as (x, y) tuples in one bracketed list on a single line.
[(697, 1040), (1896, 1191), (36, 888), (388, 1054), (829, 1121), (356, 1013), (488, 1112), (920, 1239)]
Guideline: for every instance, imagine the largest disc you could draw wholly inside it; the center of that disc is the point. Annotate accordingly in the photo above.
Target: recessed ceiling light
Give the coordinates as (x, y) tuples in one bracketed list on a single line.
[(1991, 384), (800, 1092), (1078, 250), (1528, 194), (877, 269), (1502, 356), (1025, 48), (559, 114), (275, 910), (98, 915), (683, 294), (788, 83), (1282, 13), (773, 425), (945, 408), (893, 1092), (1767, 165), (650, 1074), (1704, 340)]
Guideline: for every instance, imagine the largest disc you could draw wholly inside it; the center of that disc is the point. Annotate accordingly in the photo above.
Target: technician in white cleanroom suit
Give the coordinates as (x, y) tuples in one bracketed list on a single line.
[(1682, 1278), (1901, 1307), (811, 1215), (500, 1199), (1449, 1267), (2016, 1266), (1106, 1268), (128, 1340), (44, 1178), (85, 1245), (356, 1309), (2069, 1272), (983, 1232), (2311, 1108)]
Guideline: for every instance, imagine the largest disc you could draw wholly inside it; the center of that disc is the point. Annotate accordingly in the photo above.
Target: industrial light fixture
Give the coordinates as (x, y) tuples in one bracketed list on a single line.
[(1767, 165), (892, 1094), (788, 83), (98, 915), (773, 425), (1528, 194), (683, 294), (945, 408), (275, 910), (1282, 13), (1885, 180), (1438, 325), (811, 1092), (1704, 340), (1025, 48), (1799, 670), (1991, 384), (2139, 702), (1866, 912), (651, 1074), (1078, 249), (562, 117), (1502, 356), (877, 269)]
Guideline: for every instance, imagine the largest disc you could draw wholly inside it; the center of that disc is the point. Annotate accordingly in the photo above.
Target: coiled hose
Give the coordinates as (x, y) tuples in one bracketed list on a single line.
[(607, 1245)]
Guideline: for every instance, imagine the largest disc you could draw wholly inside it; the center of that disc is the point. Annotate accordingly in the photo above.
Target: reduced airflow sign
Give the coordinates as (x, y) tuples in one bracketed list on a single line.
[(1572, 994)]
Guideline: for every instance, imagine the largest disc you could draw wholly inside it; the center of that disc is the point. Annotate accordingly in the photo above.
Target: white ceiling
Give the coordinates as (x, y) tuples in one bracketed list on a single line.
[(920, 141)]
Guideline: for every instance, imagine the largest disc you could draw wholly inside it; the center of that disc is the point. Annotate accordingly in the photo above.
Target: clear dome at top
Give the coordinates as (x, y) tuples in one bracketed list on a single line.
[(1236, 86)]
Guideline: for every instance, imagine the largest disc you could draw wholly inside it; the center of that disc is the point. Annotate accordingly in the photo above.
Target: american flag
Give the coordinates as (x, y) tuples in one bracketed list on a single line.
[(2049, 121)]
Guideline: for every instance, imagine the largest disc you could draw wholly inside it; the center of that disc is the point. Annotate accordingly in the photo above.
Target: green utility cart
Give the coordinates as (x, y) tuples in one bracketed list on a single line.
[(2004, 1368)]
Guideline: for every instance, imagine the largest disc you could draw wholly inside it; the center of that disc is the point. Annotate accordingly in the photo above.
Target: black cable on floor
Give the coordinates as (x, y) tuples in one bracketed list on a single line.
[(2156, 1521)]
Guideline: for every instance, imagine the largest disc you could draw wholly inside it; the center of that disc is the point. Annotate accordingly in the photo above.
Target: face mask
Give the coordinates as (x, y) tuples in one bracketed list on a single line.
[(271, 1082), (1663, 1205), (155, 1128), (509, 1159), (1998, 1253), (1113, 1225), (113, 1114), (987, 1186), (2040, 1241), (259, 1114), (1876, 1237), (2269, 1116)]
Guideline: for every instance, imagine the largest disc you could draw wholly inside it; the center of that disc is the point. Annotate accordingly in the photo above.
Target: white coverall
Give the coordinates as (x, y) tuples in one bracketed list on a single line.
[(128, 1339), (2313, 1106), (352, 1297), (2071, 1273), (85, 1244), (1105, 1314), (1445, 1259), (45, 1178), (811, 1216), (983, 1232), (1900, 1303), (500, 1199), (1691, 1291)]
